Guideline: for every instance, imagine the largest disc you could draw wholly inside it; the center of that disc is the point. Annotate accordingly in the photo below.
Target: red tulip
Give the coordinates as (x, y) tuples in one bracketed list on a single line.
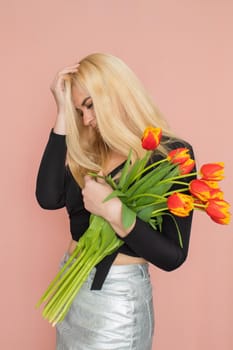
[(187, 167), (211, 184), (180, 204), (151, 138), (216, 193), (200, 189), (178, 155), (218, 211), (212, 171)]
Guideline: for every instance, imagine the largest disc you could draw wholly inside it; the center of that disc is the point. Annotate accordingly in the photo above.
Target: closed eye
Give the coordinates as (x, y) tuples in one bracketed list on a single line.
[(79, 110)]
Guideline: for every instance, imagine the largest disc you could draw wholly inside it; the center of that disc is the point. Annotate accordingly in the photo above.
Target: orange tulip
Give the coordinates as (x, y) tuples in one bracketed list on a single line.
[(180, 204), (151, 138), (211, 184), (178, 155), (216, 193), (212, 171), (187, 166), (218, 211), (200, 190)]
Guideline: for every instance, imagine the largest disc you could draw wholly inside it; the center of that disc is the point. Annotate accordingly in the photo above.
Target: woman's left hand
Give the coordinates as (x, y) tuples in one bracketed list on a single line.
[(94, 192)]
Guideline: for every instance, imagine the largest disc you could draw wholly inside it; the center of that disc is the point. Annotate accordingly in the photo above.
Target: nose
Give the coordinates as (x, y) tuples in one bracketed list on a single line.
[(87, 118)]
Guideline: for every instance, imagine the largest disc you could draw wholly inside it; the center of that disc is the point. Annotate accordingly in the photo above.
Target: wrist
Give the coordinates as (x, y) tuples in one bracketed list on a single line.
[(60, 124), (113, 214), (114, 217)]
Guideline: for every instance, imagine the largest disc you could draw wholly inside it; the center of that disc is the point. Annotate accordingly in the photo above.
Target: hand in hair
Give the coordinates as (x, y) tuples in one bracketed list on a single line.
[(57, 87)]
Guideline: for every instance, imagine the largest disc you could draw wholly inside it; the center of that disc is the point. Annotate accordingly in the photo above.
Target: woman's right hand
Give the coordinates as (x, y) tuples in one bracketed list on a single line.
[(57, 87)]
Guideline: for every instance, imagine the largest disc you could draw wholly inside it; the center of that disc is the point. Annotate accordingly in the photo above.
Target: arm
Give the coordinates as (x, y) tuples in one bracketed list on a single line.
[(159, 248), (51, 177), (52, 174)]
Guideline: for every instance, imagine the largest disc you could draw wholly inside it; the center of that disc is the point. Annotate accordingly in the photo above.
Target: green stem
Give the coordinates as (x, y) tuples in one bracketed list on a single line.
[(197, 206), (59, 300), (148, 168), (64, 303), (158, 211), (77, 285), (70, 275), (76, 265), (137, 209), (178, 177), (144, 195), (85, 272), (177, 227), (179, 183), (57, 277), (78, 278), (174, 191)]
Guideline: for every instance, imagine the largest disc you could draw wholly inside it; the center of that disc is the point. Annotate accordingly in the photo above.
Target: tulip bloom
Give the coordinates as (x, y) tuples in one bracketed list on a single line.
[(151, 138), (187, 166), (211, 184), (216, 193), (178, 155), (218, 211), (200, 190), (180, 204), (212, 171)]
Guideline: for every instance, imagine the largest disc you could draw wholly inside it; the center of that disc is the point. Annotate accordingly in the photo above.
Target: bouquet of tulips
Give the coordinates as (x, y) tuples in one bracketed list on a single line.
[(145, 191)]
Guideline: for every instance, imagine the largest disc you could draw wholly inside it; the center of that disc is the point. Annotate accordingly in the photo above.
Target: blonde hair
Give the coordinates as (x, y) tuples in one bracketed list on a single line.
[(123, 109)]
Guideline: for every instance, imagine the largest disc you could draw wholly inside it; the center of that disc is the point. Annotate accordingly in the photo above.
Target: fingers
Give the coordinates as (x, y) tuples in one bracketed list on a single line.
[(97, 179), (69, 69), (87, 178), (101, 181), (60, 77)]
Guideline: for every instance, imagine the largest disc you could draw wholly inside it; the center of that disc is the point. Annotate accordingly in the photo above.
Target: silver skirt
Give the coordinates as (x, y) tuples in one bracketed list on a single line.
[(120, 316)]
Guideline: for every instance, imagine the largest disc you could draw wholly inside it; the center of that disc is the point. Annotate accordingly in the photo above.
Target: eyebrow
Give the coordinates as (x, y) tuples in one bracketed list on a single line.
[(83, 103), (85, 99)]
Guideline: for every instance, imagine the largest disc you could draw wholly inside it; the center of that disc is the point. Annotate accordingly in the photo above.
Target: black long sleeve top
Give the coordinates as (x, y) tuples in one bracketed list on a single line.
[(56, 188)]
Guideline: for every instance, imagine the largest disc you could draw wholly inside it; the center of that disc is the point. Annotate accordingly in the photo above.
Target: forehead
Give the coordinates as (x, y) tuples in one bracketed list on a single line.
[(78, 94)]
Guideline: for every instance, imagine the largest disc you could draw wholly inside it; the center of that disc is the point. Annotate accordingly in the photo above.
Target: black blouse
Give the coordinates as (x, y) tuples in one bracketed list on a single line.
[(56, 188)]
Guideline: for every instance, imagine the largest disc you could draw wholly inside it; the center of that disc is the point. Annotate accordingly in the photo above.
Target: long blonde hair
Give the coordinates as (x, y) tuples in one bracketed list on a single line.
[(123, 109)]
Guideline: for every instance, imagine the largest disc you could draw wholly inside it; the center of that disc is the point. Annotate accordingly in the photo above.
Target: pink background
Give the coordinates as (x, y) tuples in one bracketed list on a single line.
[(182, 51)]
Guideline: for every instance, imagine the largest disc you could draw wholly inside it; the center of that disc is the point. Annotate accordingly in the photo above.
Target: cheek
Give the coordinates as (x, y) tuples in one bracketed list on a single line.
[(93, 114)]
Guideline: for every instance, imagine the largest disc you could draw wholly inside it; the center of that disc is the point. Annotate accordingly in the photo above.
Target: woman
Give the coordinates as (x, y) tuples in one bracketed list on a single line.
[(103, 110)]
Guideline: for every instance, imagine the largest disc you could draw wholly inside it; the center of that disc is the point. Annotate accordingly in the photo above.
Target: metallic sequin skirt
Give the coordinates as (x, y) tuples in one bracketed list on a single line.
[(120, 316)]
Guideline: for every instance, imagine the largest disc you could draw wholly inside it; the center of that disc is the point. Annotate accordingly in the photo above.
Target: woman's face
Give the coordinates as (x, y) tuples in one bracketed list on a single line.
[(84, 105)]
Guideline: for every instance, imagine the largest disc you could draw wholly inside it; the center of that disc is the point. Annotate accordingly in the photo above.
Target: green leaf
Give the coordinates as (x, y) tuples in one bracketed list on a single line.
[(111, 182), (128, 216), (131, 174), (159, 222), (114, 194), (145, 198), (145, 214), (152, 222), (172, 173), (150, 179), (138, 166), (125, 171)]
